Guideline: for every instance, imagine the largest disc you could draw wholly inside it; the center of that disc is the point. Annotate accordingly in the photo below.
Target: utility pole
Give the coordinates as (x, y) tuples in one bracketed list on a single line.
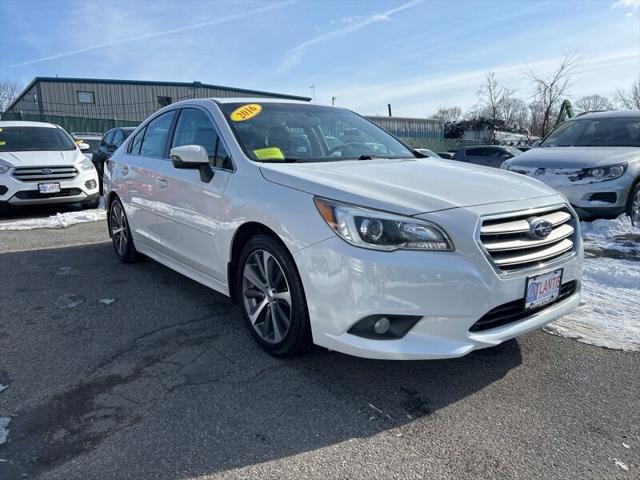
[(313, 92), (389, 108), (333, 101)]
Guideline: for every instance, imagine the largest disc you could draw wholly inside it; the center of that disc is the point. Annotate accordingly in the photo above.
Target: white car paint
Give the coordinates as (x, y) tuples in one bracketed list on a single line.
[(45, 160), (190, 226)]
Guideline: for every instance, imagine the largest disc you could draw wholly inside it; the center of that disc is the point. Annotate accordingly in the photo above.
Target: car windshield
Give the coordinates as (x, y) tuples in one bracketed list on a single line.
[(596, 132), (25, 139), (272, 132)]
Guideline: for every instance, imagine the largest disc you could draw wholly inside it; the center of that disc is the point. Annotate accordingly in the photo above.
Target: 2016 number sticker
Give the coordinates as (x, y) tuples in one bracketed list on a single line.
[(245, 112)]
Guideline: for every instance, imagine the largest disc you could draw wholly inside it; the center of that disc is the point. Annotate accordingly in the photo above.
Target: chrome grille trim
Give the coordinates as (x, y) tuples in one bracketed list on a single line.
[(505, 241), (36, 174)]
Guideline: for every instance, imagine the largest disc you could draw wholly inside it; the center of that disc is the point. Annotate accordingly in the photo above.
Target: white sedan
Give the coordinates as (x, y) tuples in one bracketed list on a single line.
[(326, 229)]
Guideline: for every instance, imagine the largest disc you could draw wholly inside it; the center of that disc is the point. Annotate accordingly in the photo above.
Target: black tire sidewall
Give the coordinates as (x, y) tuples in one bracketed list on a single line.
[(298, 336), (130, 254), (632, 194)]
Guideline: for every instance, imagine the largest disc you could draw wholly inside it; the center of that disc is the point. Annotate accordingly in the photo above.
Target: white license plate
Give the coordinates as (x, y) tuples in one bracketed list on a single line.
[(49, 187), (543, 288)]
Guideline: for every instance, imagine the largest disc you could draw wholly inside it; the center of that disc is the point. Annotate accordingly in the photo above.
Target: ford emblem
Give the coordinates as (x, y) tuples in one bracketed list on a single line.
[(46, 171)]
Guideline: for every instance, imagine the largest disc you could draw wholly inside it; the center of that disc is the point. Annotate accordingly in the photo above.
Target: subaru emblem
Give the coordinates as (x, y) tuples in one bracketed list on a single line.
[(539, 228)]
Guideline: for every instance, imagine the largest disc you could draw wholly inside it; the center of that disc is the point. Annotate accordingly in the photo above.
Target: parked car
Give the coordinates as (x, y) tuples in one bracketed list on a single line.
[(109, 144), (487, 155), (427, 152), (91, 139), (447, 155), (381, 255), (41, 164), (593, 160)]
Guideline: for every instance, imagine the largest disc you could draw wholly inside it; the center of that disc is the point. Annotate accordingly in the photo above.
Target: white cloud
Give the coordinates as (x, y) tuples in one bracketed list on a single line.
[(219, 20), (294, 55), (633, 4)]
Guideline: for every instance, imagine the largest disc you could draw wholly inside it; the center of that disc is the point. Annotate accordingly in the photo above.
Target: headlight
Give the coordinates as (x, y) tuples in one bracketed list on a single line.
[(605, 173), (5, 167), (85, 164), (381, 231)]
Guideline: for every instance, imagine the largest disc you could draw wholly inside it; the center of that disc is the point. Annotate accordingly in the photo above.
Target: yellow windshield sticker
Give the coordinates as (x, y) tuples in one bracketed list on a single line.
[(271, 153), (245, 112), (2, 143)]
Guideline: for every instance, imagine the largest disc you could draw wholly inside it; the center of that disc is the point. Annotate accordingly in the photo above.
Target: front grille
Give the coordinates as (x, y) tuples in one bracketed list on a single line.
[(44, 174), (35, 194), (514, 311), (509, 244)]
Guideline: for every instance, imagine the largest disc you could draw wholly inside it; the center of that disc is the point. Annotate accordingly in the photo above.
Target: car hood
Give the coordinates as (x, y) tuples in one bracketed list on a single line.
[(406, 186), (42, 159), (575, 157)]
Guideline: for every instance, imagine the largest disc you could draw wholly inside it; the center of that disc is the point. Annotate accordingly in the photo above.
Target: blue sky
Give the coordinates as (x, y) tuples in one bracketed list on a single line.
[(416, 55)]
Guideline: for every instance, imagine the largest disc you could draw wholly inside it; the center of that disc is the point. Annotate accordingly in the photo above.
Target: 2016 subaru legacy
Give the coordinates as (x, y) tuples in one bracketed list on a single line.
[(352, 243)]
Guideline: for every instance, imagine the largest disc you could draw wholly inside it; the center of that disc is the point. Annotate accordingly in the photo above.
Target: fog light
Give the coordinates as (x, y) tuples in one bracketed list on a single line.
[(90, 184), (381, 326)]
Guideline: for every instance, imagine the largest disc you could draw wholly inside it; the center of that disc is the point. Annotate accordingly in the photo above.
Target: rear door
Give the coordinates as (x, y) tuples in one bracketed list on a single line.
[(192, 210)]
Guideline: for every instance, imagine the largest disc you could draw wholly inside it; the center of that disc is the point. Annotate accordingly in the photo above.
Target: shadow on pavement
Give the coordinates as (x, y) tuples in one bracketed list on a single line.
[(167, 380)]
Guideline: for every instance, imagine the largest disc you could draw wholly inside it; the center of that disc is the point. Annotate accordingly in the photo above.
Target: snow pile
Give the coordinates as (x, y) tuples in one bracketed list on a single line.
[(4, 429), (59, 220), (610, 310)]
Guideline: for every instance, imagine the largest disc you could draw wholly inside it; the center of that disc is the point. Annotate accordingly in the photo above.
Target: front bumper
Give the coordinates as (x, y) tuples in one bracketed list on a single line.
[(607, 198), (449, 291), (75, 190)]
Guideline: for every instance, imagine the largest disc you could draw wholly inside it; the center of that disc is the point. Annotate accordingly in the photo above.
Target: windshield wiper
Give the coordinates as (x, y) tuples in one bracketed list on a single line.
[(367, 157)]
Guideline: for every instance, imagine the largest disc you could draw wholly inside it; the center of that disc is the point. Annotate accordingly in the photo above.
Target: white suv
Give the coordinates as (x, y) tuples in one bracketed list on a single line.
[(325, 228), (41, 164)]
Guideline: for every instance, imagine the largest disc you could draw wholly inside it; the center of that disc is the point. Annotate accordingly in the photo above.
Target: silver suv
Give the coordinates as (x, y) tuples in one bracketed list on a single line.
[(594, 160)]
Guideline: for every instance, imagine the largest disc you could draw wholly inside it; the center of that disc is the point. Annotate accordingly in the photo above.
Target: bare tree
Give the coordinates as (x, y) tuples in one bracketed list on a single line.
[(8, 93), (451, 114), (549, 90), (493, 97), (592, 103), (629, 100), (515, 113)]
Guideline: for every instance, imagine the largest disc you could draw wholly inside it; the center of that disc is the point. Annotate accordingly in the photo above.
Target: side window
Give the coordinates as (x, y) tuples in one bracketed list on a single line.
[(475, 152), (118, 138), (108, 138), (222, 158), (156, 136), (136, 142), (195, 128)]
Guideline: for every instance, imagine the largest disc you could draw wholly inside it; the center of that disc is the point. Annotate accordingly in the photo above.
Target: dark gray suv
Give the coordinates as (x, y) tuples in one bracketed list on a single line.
[(487, 155)]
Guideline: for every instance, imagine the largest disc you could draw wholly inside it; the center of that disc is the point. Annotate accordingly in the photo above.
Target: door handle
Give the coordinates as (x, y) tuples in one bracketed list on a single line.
[(162, 182)]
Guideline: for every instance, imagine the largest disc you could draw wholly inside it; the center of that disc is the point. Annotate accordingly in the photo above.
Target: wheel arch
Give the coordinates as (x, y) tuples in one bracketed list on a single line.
[(241, 236)]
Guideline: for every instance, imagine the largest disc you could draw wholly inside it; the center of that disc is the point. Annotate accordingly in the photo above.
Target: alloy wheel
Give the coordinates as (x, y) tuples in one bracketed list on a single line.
[(635, 209), (266, 296), (119, 232)]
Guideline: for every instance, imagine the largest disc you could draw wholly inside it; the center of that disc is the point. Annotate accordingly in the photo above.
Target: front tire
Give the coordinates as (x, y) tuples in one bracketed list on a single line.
[(121, 234), (272, 298), (633, 209)]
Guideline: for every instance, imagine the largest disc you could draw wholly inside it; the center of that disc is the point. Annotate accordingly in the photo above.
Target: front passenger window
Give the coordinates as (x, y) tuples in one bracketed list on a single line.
[(195, 128), (156, 136)]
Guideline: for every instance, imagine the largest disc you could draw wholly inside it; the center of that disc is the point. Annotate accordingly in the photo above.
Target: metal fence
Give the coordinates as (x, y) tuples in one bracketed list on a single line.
[(71, 124)]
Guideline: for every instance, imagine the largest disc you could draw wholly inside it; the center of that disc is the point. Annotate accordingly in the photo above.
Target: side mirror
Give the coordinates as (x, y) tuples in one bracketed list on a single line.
[(111, 148), (84, 146), (192, 157)]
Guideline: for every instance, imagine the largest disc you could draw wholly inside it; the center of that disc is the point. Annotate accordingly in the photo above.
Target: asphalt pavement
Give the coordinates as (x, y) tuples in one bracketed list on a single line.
[(136, 372)]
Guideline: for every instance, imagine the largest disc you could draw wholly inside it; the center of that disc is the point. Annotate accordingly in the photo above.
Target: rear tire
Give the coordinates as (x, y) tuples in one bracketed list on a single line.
[(121, 234), (272, 298), (633, 207)]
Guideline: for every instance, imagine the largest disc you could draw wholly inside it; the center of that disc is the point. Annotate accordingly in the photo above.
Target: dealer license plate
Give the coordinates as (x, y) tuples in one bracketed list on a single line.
[(49, 187), (543, 288)]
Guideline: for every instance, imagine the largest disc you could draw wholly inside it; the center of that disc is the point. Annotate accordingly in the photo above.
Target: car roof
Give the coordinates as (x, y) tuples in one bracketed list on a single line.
[(256, 100), (608, 114), (20, 123)]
